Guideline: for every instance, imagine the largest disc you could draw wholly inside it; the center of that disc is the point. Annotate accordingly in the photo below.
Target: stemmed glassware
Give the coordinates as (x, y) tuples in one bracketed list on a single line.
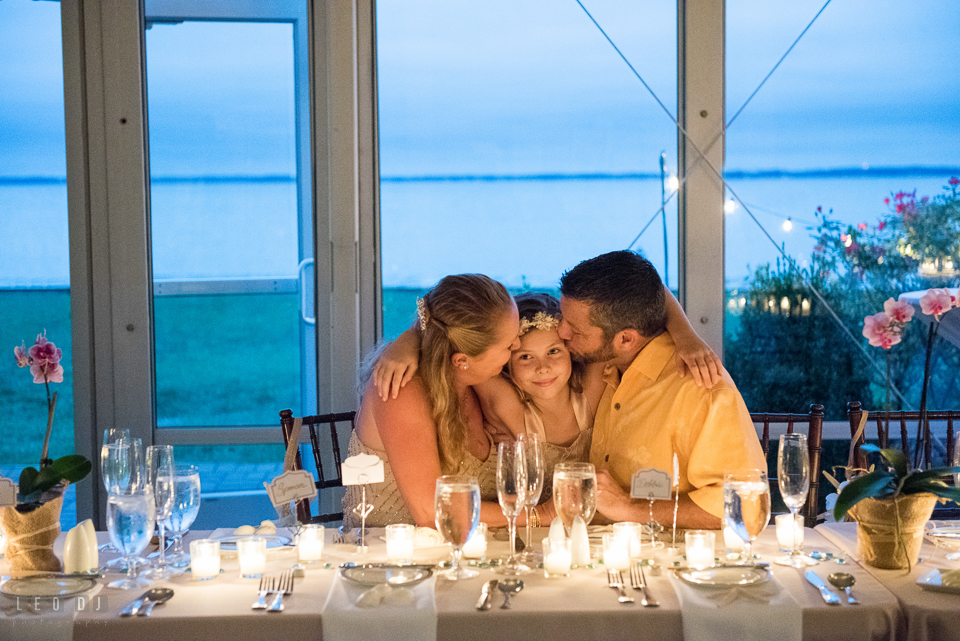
[(574, 492), (512, 493), (186, 505), (114, 464), (746, 504), (160, 477), (793, 476), (131, 516), (533, 455), (457, 513)]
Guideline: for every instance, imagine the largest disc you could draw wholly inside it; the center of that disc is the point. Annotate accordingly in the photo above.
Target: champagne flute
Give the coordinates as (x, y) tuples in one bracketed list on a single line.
[(746, 504), (186, 505), (574, 492), (131, 516), (114, 465), (512, 494), (533, 449), (457, 513), (160, 478), (793, 476)]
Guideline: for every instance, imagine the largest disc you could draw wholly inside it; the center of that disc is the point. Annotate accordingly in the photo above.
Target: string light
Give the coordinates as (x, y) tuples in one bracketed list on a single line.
[(673, 183), (730, 206), (787, 224)]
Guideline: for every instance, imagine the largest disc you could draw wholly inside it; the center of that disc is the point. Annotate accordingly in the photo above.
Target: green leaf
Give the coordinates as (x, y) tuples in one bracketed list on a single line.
[(28, 480), (897, 461), (873, 485), (72, 467)]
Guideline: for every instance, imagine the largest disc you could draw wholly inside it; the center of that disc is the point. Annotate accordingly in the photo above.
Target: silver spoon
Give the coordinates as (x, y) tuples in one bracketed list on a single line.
[(844, 581), (508, 587)]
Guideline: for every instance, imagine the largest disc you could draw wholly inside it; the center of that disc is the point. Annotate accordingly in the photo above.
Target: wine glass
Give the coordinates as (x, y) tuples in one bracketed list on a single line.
[(746, 504), (160, 477), (457, 513), (186, 505), (793, 476), (533, 450), (512, 494), (574, 492), (131, 516)]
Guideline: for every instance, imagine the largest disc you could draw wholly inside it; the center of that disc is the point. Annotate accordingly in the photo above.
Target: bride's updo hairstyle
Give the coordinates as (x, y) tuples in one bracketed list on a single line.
[(461, 314)]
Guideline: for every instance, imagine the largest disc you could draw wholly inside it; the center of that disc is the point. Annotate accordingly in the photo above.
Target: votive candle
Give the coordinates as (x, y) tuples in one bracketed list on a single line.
[(700, 543), (633, 532), (731, 540), (616, 552), (557, 557), (400, 537), (205, 559), (789, 531), (476, 545), (253, 556), (310, 543)]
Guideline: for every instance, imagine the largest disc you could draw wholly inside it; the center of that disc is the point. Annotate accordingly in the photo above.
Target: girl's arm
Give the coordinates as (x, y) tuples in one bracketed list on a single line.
[(692, 353), (397, 364)]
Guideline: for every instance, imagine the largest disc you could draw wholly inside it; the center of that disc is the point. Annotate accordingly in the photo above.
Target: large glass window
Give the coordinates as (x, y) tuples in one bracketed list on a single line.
[(515, 141), (34, 261)]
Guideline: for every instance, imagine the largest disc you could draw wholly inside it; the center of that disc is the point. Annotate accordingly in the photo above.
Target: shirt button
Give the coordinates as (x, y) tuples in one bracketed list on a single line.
[(616, 406)]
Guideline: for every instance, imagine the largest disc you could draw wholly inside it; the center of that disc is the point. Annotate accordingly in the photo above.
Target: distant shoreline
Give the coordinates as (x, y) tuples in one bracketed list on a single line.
[(733, 174)]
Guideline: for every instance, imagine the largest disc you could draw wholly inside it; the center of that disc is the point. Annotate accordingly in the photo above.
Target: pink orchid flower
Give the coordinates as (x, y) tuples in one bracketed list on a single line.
[(936, 302), (20, 353), (44, 360), (899, 311), (877, 330)]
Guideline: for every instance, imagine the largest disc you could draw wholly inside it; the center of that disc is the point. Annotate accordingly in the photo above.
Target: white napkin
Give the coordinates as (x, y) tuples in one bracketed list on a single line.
[(356, 613), (764, 611), (43, 620)]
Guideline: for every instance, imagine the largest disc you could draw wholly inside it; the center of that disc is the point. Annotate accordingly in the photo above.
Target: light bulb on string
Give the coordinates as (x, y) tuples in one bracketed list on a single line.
[(788, 224), (730, 206)]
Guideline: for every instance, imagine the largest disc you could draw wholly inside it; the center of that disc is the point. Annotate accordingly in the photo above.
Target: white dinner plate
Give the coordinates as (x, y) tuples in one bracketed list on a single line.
[(941, 581), (945, 536), (725, 576), (372, 574), (273, 540), (48, 587)]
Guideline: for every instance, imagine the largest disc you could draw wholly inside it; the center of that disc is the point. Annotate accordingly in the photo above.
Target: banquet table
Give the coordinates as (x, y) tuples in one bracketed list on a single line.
[(928, 614), (581, 606)]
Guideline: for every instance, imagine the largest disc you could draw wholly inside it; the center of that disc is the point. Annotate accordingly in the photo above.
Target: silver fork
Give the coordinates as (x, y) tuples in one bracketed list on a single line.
[(638, 581), (615, 581), (266, 587), (338, 536), (284, 588)]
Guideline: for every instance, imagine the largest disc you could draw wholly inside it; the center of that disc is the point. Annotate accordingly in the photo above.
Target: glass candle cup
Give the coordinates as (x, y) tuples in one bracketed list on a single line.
[(633, 532), (476, 545), (400, 538), (204, 559), (731, 541), (310, 543), (700, 543), (789, 531), (253, 557), (557, 557), (616, 552)]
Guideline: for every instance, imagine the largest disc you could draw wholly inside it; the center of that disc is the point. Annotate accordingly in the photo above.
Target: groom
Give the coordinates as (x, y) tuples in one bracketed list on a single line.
[(614, 310)]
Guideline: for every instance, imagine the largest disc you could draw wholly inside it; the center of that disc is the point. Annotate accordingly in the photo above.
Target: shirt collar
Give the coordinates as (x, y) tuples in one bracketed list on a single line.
[(653, 358)]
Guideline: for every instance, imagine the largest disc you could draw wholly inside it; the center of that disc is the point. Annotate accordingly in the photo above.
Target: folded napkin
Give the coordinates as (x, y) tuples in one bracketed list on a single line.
[(45, 619), (357, 613), (764, 611)]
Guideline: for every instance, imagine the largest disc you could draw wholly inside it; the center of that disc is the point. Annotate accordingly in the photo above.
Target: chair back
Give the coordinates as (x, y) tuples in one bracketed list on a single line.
[(902, 420), (324, 443), (814, 422)]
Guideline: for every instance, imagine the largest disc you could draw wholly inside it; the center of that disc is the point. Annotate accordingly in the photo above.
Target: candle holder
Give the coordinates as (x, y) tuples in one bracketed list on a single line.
[(400, 538), (699, 548), (310, 543), (205, 559), (616, 552), (633, 533), (253, 557), (557, 558), (476, 545)]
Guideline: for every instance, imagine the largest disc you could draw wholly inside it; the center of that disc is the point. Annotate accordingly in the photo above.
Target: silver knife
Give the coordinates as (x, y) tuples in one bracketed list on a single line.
[(134, 606), (486, 595), (816, 581)]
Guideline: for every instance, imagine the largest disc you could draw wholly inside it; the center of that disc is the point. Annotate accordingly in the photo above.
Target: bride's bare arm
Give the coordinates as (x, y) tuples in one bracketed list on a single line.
[(502, 408)]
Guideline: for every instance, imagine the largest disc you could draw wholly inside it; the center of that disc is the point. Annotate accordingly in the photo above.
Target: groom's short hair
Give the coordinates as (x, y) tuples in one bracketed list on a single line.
[(623, 291)]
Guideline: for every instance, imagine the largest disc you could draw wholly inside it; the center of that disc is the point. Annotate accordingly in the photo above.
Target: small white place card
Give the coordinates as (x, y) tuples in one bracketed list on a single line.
[(651, 484), (362, 469), (294, 485), (8, 492)]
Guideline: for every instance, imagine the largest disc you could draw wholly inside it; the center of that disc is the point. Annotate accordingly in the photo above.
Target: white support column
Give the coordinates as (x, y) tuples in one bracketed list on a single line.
[(700, 41)]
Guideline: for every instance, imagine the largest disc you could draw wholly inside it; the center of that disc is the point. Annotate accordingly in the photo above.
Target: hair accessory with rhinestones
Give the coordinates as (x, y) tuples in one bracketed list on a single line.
[(540, 320), (422, 314)]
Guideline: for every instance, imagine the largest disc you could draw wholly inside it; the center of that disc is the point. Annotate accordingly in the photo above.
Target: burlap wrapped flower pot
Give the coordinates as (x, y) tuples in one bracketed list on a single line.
[(890, 531), (31, 535)]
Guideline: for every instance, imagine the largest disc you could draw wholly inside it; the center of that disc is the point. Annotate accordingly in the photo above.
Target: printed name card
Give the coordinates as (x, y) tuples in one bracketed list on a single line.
[(362, 469), (8, 492), (291, 486), (650, 484)]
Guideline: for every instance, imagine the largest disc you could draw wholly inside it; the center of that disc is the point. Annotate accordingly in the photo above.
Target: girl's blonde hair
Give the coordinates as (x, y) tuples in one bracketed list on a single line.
[(461, 314)]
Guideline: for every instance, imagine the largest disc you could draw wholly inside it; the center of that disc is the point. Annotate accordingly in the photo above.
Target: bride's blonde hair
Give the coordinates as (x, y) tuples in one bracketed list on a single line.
[(461, 314)]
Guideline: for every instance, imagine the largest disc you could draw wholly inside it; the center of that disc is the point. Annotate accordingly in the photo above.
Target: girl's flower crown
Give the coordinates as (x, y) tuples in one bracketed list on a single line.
[(540, 320)]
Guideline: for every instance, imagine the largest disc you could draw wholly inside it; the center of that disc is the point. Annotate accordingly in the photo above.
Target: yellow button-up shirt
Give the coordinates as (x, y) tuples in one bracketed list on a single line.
[(651, 413)]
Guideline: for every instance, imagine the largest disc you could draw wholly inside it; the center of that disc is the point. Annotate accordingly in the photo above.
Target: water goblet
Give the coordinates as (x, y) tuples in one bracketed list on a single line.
[(746, 504), (512, 494), (793, 477), (160, 477), (131, 517), (574, 492), (533, 449), (457, 513), (186, 505)]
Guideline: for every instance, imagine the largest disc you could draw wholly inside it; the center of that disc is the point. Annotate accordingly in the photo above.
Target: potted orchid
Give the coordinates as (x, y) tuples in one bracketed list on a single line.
[(33, 524)]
